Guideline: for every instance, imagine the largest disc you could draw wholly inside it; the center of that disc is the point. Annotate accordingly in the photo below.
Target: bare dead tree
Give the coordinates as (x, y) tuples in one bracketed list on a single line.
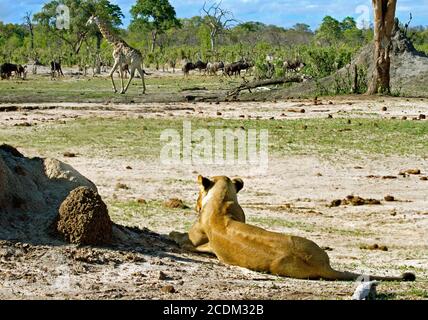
[(262, 83), (384, 17), (406, 26), (29, 23), (218, 20)]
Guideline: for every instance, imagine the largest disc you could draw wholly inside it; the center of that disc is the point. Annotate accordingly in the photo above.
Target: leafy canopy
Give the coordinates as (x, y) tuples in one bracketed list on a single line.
[(332, 31), (156, 15), (80, 11)]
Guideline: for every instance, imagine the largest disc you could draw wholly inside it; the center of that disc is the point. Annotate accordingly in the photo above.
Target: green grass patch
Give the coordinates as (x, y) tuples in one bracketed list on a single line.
[(152, 214), (99, 89), (419, 293), (422, 47), (140, 138)]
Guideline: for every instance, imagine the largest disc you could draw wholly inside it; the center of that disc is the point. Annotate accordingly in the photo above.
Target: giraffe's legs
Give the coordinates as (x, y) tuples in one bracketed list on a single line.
[(121, 79), (131, 76), (116, 64), (141, 72)]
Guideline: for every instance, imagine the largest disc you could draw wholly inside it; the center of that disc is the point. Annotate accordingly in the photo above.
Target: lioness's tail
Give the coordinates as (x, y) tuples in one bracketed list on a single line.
[(338, 275)]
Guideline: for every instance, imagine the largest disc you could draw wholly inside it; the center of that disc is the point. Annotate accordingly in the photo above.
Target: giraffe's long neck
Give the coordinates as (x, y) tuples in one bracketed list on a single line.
[(107, 34)]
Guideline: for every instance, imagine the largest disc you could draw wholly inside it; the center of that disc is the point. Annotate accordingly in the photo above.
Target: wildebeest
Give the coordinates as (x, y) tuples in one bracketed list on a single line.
[(22, 71), (236, 68), (125, 70), (201, 65), (188, 66), (213, 68), (231, 69), (245, 65), (294, 66), (103, 66), (6, 70), (56, 67)]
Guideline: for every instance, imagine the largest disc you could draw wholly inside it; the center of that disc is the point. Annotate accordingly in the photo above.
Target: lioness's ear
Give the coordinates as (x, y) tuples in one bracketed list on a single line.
[(204, 182), (238, 183)]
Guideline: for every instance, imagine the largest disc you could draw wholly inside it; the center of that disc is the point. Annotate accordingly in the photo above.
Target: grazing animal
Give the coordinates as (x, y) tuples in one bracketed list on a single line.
[(103, 66), (188, 66), (210, 68), (294, 66), (200, 65), (245, 66), (173, 63), (231, 69), (22, 71), (213, 68), (56, 68), (125, 71), (236, 68), (6, 70), (221, 229), (122, 54)]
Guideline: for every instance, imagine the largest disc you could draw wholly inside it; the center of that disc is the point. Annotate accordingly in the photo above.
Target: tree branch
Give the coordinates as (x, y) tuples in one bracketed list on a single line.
[(262, 83)]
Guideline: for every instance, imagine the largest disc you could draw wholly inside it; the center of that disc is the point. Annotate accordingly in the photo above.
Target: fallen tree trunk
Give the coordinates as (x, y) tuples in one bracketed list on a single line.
[(263, 83)]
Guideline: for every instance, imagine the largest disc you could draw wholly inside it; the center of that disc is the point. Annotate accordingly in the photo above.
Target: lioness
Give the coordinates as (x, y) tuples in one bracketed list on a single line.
[(221, 229)]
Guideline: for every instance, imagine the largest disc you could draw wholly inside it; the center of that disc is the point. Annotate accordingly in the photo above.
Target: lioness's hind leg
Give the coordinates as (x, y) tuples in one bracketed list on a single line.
[(295, 267)]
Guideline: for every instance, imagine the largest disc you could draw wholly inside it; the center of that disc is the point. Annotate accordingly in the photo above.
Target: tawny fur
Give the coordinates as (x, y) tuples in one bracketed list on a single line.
[(221, 229)]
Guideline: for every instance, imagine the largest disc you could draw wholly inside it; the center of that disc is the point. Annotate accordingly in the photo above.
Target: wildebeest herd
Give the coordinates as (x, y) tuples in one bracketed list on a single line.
[(235, 68), (7, 70), (212, 68)]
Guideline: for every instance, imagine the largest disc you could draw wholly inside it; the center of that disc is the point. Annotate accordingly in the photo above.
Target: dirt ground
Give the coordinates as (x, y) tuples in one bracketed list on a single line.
[(341, 106), (293, 196)]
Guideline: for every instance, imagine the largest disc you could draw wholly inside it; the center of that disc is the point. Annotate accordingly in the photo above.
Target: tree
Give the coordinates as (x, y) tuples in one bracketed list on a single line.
[(330, 30), (333, 32), (218, 20), (80, 11), (250, 26), (351, 34), (348, 23), (12, 41), (28, 21), (302, 27), (384, 17), (156, 15), (77, 32)]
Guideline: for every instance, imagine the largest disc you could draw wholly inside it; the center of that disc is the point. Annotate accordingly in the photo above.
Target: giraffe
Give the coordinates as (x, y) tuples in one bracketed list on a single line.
[(122, 54)]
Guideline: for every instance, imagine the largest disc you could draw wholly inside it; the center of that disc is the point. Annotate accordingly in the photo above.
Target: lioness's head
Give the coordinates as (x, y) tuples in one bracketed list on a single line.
[(220, 186)]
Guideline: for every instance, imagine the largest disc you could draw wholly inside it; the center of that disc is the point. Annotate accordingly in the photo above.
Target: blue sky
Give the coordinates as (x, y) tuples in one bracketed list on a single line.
[(279, 12)]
